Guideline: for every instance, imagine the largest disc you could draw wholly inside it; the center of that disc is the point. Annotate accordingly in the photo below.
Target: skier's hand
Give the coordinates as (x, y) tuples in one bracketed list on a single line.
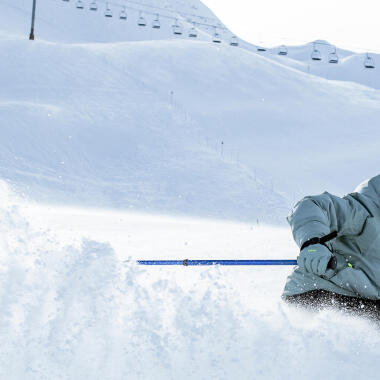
[(314, 259)]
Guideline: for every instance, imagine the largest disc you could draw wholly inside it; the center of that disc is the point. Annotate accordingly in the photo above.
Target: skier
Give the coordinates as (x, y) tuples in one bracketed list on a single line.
[(339, 260)]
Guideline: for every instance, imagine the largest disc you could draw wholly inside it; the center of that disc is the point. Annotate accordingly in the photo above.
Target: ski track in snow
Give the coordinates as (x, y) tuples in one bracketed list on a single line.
[(72, 307)]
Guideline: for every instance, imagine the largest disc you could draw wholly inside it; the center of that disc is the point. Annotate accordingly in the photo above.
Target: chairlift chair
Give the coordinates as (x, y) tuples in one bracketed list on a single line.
[(177, 28), (141, 20), (156, 23), (216, 39), (107, 12), (369, 62), (79, 4), (333, 57), (234, 41), (93, 6), (283, 50), (316, 55), (123, 14), (193, 32)]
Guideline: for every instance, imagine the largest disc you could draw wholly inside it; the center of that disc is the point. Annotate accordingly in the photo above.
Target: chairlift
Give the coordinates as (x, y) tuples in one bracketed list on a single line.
[(333, 57), (79, 4), (93, 6), (177, 28), (369, 62), (107, 12), (123, 14), (193, 32), (141, 20), (156, 23), (234, 41), (283, 50), (216, 39)]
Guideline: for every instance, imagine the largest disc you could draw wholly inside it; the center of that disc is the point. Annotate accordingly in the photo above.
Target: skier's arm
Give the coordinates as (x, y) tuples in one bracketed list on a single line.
[(317, 216)]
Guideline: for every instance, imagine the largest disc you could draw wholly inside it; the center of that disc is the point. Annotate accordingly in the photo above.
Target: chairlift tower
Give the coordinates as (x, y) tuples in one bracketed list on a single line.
[(31, 35)]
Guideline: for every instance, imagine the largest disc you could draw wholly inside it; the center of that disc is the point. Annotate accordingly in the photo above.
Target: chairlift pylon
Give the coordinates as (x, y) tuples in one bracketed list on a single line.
[(234, 41), (123, 14), (283, 50), (93, 6), (177, 28), (369, 62), (156, 23), (141, 20), (108, 12)]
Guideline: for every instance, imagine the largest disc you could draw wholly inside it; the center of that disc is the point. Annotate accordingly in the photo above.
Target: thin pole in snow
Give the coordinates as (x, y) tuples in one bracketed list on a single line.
[(31, 35)]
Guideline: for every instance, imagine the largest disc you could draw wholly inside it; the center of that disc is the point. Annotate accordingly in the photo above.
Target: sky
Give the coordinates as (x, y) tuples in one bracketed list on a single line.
[(351, 24)]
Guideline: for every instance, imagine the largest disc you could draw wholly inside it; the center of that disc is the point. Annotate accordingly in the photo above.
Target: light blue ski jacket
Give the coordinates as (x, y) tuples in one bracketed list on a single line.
[(356, 218)]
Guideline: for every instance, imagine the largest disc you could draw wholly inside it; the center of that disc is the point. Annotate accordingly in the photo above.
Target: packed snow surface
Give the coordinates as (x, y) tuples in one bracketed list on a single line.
[(74, 304)]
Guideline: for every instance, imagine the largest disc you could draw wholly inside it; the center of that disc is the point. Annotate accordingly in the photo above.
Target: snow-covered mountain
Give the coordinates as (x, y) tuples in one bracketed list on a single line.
[(102, 111), (103, 124)]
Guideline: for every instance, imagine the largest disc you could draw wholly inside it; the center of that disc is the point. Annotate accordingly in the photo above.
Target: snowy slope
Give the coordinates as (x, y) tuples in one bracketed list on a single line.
[(87, 125), (80, 124), (72, 309), (294, 132)]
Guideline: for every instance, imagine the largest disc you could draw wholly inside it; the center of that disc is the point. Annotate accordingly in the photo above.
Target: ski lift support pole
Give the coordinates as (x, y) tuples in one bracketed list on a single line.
[(31, 36), (187, 262)]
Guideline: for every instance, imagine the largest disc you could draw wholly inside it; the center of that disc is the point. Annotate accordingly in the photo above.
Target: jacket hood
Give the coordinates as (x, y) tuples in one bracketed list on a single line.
[(371, 189)]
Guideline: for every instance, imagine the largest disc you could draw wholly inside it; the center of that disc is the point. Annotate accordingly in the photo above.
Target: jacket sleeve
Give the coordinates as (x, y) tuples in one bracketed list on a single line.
[(317, 216)]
